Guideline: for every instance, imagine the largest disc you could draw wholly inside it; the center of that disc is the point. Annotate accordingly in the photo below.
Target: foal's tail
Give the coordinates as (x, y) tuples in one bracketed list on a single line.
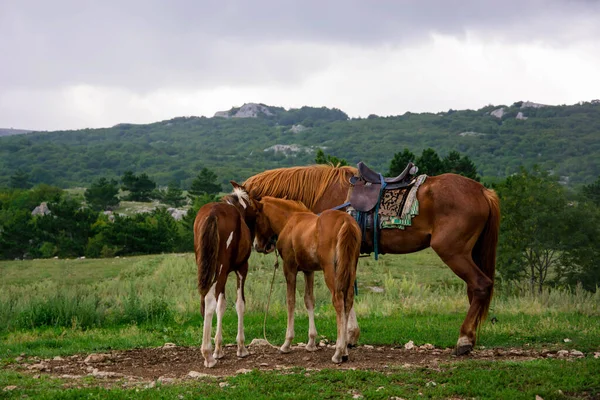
[(206, 247), (347, 251), (484, 252)]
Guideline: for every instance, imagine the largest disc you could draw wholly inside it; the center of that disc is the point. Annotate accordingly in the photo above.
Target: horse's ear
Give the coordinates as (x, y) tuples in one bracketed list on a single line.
[(237, 185)]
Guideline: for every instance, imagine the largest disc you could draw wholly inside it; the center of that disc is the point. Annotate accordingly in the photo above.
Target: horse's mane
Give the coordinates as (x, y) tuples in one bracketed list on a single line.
[(286, 203), (305, 184)]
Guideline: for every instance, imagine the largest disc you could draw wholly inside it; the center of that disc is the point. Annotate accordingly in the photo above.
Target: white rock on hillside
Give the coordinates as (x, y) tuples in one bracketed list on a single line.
[(498, 113), (248, 110), (42, 209), (521, 116), (531, 104)]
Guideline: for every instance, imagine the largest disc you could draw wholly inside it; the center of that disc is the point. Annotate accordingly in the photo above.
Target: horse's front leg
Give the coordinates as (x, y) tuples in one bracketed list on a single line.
[(309, 302), (290, 277), (240, 307)]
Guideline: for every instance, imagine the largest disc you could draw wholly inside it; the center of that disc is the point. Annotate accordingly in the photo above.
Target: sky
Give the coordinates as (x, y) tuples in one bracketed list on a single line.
[(89, 64)]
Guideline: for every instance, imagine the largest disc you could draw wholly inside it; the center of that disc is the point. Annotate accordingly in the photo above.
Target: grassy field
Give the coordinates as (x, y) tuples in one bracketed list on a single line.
[(62, 307)]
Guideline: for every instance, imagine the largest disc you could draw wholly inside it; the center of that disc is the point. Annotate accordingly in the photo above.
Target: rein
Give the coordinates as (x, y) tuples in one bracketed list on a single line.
[(269, 300)]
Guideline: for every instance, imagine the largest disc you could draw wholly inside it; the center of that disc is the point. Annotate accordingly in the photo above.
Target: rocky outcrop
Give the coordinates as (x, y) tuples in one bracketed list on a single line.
[(42, 209), (298, 128), (248, 110), (177, 213), (530, 104), (498, 113), (520, 116), (471, 133), (288, 148)]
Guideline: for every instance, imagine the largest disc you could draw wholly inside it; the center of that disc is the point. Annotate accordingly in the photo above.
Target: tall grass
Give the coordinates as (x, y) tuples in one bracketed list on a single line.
[(162, 289)]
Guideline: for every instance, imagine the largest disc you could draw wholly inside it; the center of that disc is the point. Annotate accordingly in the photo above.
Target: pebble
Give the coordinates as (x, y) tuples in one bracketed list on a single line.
[(165, 380), (9, 388), (410, 345), (243, 371), (223, 384), (94, 358), (196, 374), (258, 342)]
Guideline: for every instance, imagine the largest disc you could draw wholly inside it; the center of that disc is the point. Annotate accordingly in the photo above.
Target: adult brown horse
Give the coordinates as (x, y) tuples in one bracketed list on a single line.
[(308, 242), (458, 217), (222, 243)]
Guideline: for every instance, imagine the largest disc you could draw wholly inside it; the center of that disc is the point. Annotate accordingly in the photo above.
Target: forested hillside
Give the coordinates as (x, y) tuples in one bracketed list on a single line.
[(562, 139)]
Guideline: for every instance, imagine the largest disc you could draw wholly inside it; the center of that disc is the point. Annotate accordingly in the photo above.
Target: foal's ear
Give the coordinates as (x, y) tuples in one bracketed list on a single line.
[(237, 185)]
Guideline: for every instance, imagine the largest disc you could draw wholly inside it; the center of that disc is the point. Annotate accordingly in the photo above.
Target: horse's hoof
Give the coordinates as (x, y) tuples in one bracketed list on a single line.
[(219, 354), (462, 350), (344, 358), (243, 353), (311, 348), (210, 363), (285, 351)]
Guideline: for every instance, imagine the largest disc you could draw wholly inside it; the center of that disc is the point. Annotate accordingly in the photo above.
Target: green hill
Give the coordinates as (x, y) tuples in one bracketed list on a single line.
[(562, 139)]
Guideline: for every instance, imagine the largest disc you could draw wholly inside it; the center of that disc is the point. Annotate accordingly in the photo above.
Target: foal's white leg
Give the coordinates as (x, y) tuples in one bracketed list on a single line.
[(353, 329), (221, 305), (240, 307), (210, 304), (309, 302), (291, 305), (341, 348)]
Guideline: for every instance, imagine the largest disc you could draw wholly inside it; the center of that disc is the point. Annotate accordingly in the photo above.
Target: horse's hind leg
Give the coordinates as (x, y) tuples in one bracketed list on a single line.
[(353, 331), (479, 291), (290, 277), (338, 300), (210, 304), (240, 307), (309, 302), (221, 306)]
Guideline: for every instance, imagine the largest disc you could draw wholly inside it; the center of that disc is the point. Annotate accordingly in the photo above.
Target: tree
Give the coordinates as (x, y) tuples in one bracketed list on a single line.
[(67, 227), (205, 183), (592, 192), (20, 180), (400, 161), (140, 187), (430, 163), (322, 158), (102, 194), (456, 164), (173, 196), (579, 260), (533, 227)]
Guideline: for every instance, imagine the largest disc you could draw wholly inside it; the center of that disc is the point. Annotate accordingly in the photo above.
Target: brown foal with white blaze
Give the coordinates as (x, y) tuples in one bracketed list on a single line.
[(308, 242), (222, 243)]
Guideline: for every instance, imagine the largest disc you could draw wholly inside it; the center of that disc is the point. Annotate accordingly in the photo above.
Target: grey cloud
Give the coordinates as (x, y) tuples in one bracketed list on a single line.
[(148, 44)]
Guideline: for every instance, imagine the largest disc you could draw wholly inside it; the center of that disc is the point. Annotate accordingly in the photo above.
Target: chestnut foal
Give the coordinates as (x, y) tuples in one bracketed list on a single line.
[(308, 242), (222, 243)]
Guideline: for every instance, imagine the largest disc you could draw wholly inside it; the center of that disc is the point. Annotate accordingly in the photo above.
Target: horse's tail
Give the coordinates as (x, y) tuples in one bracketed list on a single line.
[(347, 251), (206, 247), (484, 252)]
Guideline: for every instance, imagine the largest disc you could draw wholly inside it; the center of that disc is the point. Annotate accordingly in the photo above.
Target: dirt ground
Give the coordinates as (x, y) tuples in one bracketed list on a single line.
[(170, 362)]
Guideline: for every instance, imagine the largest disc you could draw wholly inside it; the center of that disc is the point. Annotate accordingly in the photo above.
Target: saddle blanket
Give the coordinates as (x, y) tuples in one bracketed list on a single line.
[(397, 208)]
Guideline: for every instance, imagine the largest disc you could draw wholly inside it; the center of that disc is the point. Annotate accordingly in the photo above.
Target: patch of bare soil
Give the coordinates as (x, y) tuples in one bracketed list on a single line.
[(169, 363)]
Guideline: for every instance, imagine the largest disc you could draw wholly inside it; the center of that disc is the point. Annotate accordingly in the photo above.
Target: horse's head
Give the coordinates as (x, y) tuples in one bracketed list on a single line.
[(265, 238), (249, 205)]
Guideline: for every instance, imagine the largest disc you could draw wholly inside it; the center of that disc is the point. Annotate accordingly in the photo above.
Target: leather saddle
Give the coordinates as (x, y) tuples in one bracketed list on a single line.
[(368, 185)]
